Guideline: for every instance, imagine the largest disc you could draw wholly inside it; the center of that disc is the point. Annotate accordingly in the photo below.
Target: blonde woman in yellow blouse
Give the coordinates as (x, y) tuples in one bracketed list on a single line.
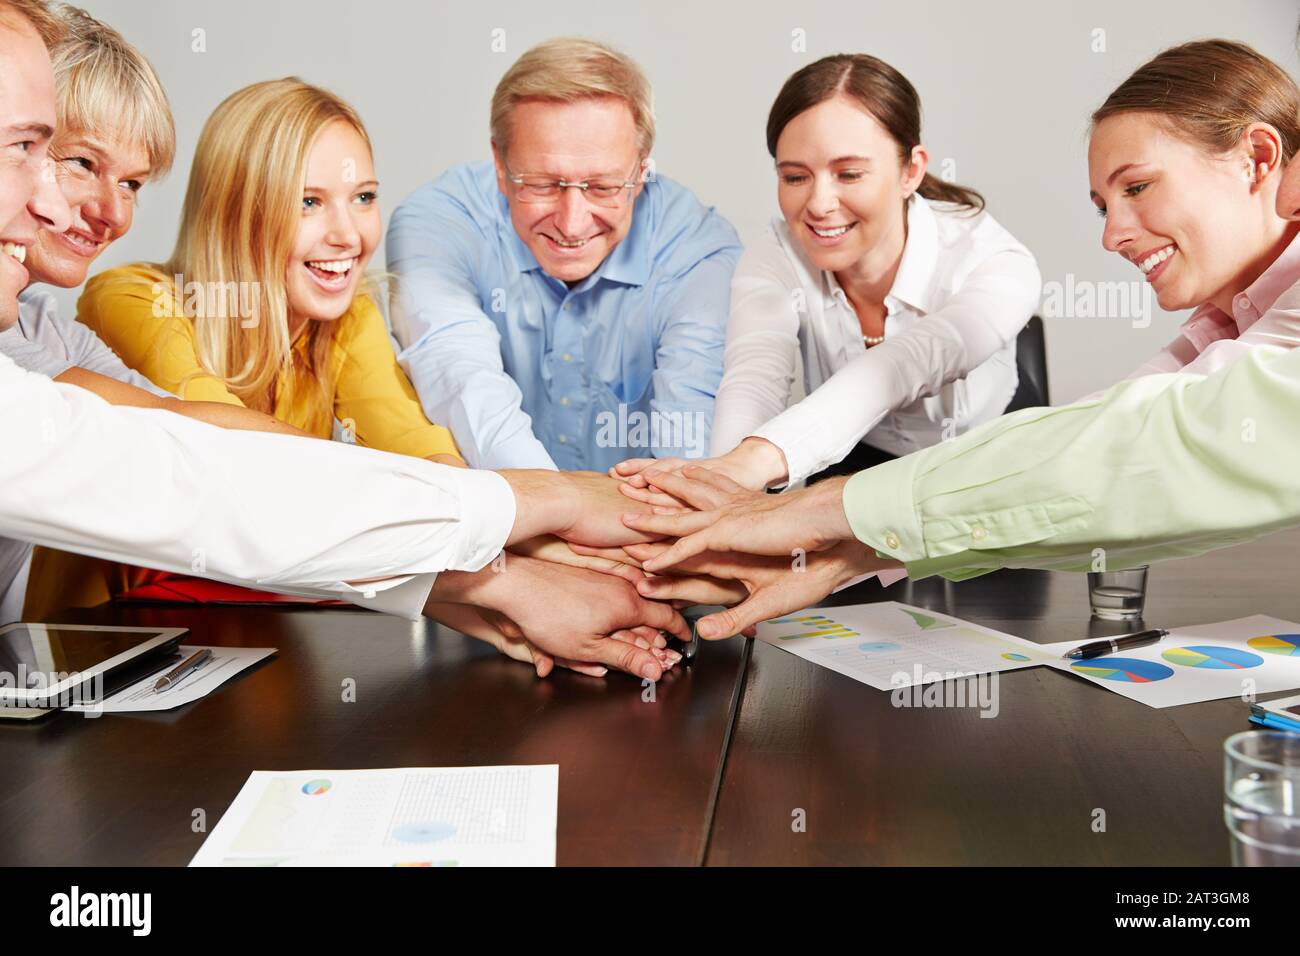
[(264, 302), (281, 198)]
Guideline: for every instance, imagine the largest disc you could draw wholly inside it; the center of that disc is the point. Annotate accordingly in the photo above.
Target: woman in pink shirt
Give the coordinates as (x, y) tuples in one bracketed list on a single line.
[(1185, 160)]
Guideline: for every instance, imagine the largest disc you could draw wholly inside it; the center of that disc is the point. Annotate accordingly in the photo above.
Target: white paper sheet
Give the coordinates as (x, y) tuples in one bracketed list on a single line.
[(413, 816), (224, 664), (1237, 658), (889, 645)]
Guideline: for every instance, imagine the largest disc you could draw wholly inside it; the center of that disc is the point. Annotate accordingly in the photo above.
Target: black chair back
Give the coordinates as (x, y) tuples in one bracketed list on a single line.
[(1031, 364)]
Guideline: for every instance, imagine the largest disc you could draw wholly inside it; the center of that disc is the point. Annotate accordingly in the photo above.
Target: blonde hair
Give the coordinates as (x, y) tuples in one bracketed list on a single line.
[(38, 15), (568, 69), (237, 230), (105, 86)]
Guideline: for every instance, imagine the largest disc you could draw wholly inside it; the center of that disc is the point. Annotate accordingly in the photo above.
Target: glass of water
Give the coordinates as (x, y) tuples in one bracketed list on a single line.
[(1261, 797), (1118, 595)]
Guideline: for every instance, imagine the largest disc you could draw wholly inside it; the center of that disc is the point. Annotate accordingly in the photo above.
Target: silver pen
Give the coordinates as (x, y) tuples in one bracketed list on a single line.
[(183, 669)]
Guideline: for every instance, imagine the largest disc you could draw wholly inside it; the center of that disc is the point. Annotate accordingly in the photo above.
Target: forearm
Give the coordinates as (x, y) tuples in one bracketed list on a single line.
[(234, 417), (1159, 467), (545, 502), (214, 413), (463, 386)]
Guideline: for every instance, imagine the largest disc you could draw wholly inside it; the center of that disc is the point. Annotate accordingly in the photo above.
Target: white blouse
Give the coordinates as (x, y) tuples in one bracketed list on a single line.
[(964, 289)]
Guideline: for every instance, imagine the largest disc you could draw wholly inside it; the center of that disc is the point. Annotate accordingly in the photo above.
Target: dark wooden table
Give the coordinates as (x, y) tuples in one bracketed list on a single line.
[(880, 784), (637, 778), (713, 770)]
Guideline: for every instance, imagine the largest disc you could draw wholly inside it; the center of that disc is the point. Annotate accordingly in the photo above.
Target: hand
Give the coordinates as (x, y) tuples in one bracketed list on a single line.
[(569, 613), (605, 560), (580, 506), (774, 585), (706, 490), (512, 637), (505, 636), (682, 586), (776, 525), (755, 464)]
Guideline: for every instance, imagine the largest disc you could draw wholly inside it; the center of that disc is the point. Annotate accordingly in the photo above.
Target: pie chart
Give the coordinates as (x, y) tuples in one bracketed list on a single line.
[(1128, 669), (1287, 644), (315, 787), (1212, 658), (1013, 656)]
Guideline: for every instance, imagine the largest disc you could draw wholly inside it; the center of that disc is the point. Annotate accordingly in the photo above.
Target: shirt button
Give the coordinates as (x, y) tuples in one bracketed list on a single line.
[(892, 542), (1243, 302), (979, 534), (564, 439), (568, 307), (567, 357), (564, 400)]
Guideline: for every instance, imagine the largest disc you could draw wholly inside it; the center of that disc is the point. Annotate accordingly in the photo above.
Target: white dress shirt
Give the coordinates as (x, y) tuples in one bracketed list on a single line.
[(963, 291), (280, 513)]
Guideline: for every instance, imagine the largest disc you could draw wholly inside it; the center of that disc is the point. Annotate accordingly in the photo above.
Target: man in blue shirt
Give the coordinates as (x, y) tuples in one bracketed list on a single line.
[(562, 306)]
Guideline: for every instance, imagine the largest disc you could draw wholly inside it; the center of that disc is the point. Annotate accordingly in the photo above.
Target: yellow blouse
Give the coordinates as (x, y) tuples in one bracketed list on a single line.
[(370, 389)]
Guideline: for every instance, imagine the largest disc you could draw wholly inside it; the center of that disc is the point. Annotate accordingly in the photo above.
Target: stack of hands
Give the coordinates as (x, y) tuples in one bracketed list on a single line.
[(652, 537)]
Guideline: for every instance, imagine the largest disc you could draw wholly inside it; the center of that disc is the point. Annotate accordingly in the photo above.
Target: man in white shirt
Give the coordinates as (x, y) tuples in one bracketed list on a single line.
[(290, 514)]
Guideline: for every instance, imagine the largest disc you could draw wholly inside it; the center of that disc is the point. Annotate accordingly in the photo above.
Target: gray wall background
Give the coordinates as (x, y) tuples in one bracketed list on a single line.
[(1006, 87)]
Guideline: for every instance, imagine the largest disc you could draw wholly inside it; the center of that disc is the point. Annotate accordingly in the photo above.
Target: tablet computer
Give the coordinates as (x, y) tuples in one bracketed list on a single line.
[(56, 665)]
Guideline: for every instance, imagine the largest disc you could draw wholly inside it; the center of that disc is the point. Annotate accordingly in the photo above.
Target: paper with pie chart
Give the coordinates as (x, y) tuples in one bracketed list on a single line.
[(1255, 655), (415, 816), (889, 645)]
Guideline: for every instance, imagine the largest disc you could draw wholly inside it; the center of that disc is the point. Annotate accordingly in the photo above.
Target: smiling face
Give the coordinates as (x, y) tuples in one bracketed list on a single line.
[(841, 184), (338, 230), (590, 139), (29, 196), (1288, 191), (1190, 221), (100, 179)]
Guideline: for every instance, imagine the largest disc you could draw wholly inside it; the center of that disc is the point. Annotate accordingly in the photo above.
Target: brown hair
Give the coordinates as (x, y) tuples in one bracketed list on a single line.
[(1209, 91), (38, 13), (883, 92)]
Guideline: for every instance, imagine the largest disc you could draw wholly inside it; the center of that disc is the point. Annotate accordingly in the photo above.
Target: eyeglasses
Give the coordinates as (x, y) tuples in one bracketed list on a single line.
[(609, 193)]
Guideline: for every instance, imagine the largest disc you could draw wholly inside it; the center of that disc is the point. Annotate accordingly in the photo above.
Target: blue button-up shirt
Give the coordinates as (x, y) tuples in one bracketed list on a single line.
[(529, 373)]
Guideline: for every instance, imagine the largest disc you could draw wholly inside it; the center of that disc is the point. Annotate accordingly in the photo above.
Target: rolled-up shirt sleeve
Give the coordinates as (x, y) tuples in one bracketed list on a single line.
[(281, 513), (1160, 467)]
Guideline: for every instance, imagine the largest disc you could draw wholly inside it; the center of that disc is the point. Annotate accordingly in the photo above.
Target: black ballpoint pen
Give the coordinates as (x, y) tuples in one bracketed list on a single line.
[(1110, 645)]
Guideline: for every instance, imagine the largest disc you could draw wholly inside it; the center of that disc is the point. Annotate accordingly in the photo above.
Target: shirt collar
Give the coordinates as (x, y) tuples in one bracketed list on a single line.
[(1209, 322), (628, 264), (913, 283), (1282, 273)]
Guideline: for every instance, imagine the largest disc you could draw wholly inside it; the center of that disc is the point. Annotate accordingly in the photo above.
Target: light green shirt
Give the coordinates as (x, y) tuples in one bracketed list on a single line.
[(1159, 467)]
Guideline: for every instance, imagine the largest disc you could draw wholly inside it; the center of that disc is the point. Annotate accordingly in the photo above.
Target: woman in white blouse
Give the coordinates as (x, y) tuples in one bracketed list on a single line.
[(902, 294)]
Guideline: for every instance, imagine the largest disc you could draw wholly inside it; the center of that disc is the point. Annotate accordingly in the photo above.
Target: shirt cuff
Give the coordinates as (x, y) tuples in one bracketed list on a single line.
[(800, 442), (487, 516), (882, 511), (401, 598)]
